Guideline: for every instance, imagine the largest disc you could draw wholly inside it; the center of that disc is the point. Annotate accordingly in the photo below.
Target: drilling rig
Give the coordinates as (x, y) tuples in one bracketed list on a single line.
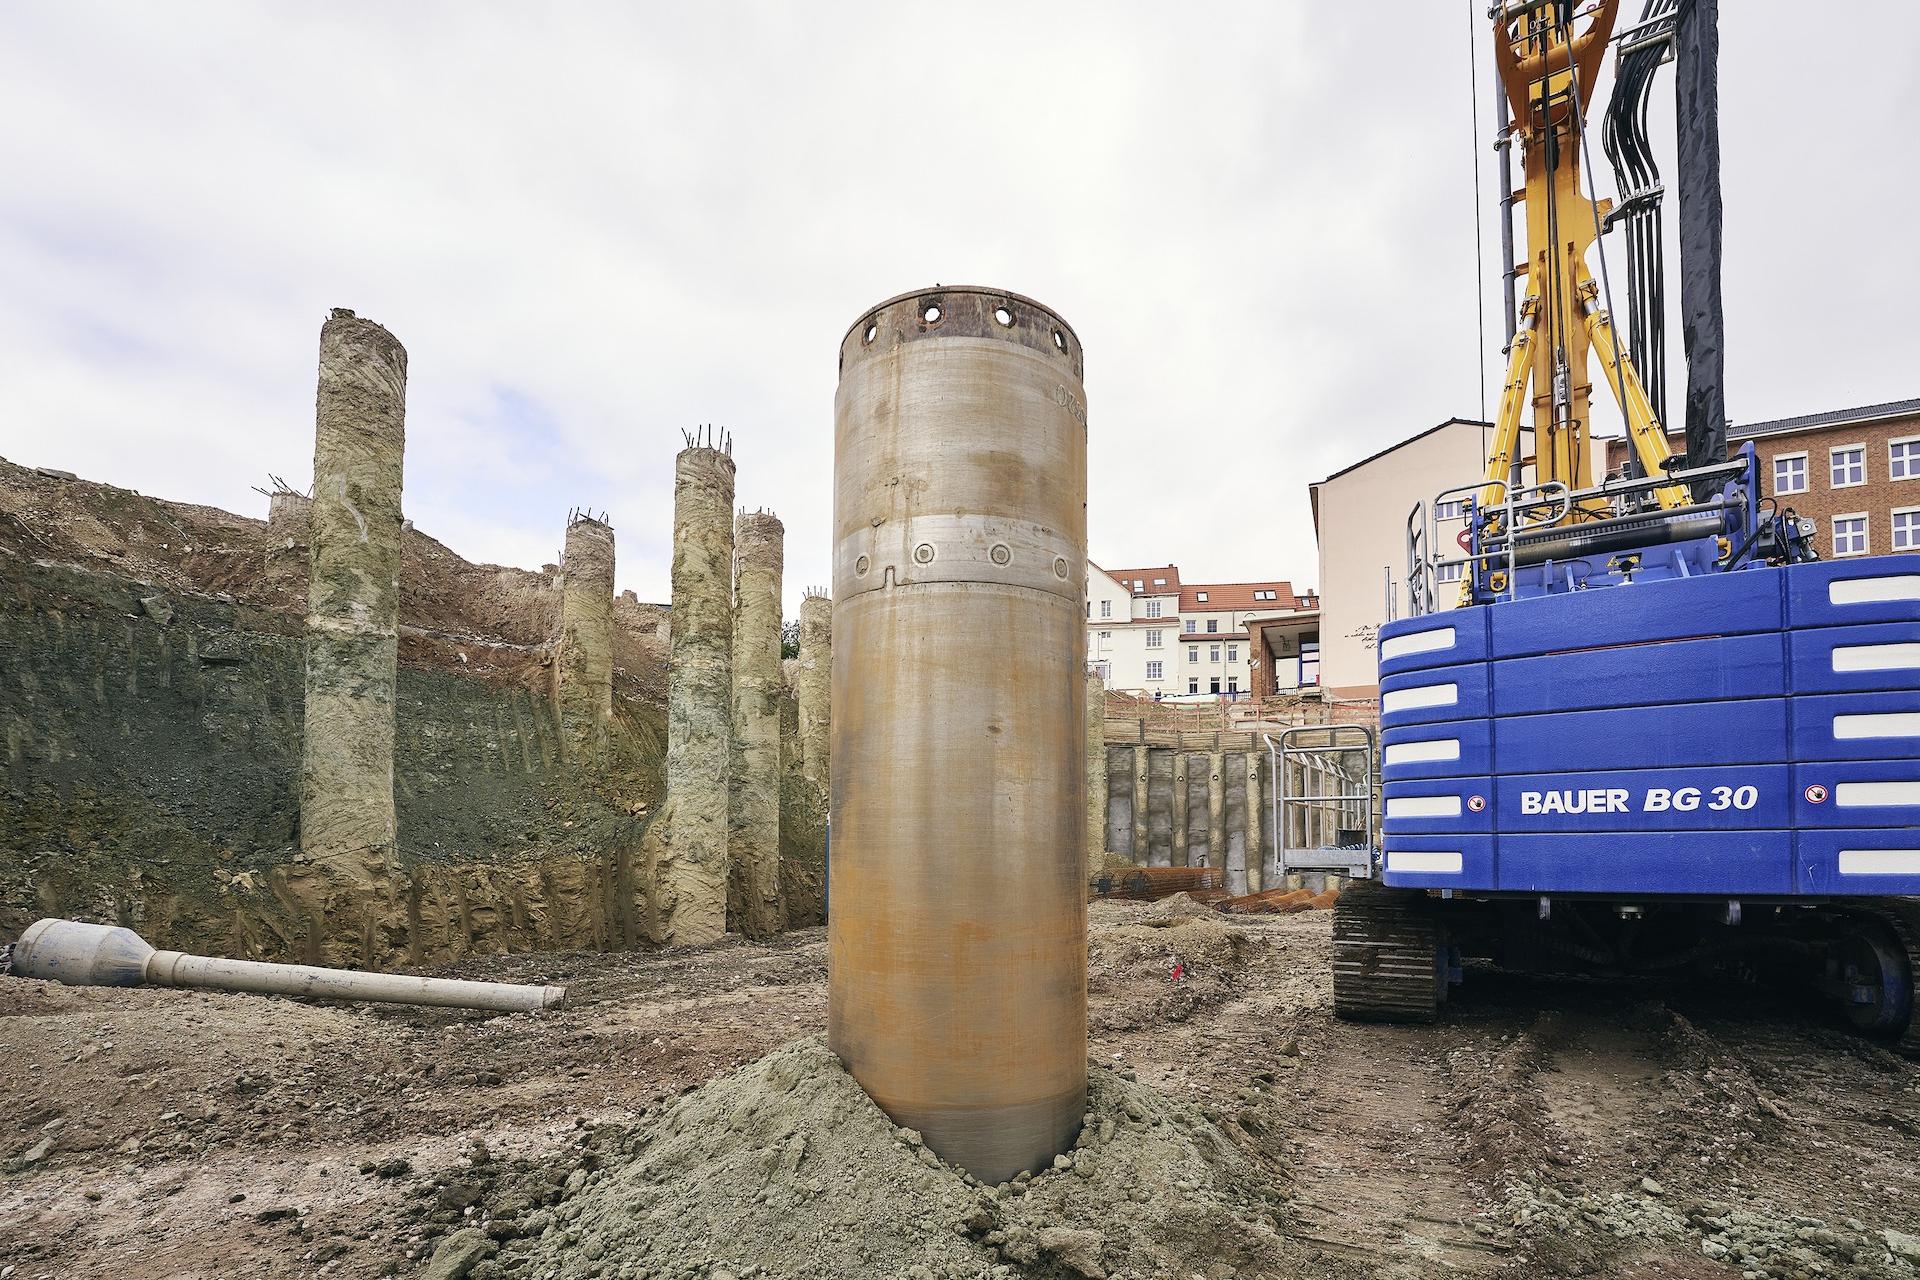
[(1656, 734)]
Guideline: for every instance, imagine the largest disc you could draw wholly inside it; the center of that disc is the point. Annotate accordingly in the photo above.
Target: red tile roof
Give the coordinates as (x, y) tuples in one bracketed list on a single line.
[(1223, 596), (1125, 577)]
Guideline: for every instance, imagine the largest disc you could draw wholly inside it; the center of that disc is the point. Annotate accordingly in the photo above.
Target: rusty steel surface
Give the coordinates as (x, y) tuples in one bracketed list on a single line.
[(957, 938)]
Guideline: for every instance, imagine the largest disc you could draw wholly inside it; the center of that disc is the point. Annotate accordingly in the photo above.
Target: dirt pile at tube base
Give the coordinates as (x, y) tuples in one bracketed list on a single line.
[(786, 1169)]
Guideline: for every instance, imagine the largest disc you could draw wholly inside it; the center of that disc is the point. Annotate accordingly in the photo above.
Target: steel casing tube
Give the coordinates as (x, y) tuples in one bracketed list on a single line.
[(957, 938)]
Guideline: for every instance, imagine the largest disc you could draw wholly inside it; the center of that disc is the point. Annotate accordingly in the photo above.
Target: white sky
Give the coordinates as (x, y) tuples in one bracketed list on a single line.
[(592, 225)]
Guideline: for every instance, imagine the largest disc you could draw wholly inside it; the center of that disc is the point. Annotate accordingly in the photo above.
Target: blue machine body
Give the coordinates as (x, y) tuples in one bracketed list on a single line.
[(1752, 732)]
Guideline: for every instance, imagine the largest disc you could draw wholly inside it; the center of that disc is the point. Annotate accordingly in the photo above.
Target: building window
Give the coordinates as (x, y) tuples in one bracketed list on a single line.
[(1233, 684), (1153, 608), (1847, 465), (1106, 608), (1138, 585), (1153, 639), (1450, 572), (1266, 595), (1153, 671), (1449, 510), (1233, 653), (1790, 473), (1159, 582), (1214, 685), (1213, 653), (1903, 459), (1213, 624), (1850, 534), (1106, 635), (1906, 528), (1201, 596), (1193, 653), (1187, 626), (1193, 686)]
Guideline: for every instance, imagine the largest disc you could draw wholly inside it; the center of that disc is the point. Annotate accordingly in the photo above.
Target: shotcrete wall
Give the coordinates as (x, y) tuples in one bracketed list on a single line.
[(1120, 802), (1160, 808), (754, 838), (583, 661), (1199, 824), (1096, 772), (1202, 809), (687, 850)]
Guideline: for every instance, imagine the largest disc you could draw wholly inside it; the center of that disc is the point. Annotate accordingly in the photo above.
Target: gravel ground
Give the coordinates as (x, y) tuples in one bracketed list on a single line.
[(1542, 1129)]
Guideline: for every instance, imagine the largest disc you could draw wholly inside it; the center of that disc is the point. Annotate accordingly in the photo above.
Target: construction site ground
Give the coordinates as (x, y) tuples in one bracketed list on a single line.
[(1542, 1128)]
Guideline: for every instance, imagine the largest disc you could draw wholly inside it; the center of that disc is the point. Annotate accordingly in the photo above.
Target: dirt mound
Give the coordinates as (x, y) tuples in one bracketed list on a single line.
[(1161, 963), (786, 1169)]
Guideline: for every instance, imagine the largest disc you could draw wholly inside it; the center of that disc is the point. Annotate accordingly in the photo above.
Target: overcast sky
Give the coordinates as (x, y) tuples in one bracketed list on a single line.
[(595, 225)]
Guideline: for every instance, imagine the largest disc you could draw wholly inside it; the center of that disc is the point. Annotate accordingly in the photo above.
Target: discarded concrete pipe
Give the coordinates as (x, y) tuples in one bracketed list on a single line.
[(957, 990), (98, 955)]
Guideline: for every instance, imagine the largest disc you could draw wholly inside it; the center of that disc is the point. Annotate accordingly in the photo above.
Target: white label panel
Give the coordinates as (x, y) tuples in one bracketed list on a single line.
[(1856, 795), (1422, 752), (1426, 695), (1889, 724), (1879, 862), (1876, 657), (1428, 861), (1417, 642), (1424, 807), (1900, 586)]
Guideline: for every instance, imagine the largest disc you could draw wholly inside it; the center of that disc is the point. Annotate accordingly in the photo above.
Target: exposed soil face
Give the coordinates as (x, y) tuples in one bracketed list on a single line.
[(1543, 1129), (179, 547)]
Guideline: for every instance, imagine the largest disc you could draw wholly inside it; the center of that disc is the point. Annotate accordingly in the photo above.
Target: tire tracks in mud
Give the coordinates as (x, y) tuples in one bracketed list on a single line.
[(1613, 1133)]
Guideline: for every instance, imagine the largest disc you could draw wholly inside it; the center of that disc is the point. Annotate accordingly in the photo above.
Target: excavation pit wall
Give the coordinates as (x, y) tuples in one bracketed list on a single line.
[(153, 745)]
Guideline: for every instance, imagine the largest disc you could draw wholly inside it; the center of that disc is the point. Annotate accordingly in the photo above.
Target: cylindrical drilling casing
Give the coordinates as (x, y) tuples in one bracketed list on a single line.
[(957, 936)]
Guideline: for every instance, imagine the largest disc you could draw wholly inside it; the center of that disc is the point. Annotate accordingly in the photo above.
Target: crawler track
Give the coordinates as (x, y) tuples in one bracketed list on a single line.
[(1902, 915), (1386, 955)]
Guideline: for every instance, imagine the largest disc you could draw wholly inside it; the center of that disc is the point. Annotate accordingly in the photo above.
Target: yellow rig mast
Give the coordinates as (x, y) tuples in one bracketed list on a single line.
[(1548, 70)]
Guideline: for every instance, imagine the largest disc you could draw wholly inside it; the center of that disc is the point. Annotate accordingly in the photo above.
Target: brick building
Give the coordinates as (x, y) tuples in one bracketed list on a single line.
[(1855, 471)]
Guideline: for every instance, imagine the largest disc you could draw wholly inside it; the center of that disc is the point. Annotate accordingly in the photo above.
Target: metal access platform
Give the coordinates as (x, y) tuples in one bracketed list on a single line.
[(1323, 780)]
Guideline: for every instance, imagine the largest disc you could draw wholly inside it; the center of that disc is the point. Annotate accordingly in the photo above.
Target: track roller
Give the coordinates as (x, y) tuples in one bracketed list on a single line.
[(1389, 955)]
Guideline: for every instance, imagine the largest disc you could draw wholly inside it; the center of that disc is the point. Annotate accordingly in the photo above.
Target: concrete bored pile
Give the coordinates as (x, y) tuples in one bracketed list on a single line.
[(687, 844), (957, 936), (347, 826), (754, 838), (583, 666), (812, 685)]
